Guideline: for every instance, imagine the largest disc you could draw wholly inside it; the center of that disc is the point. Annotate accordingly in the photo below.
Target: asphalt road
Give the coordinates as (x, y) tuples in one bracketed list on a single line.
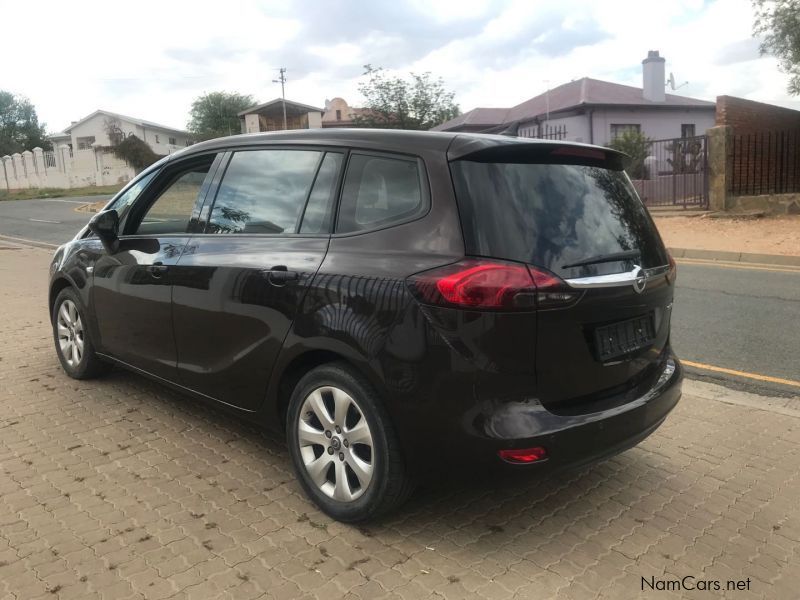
[(742, 318), (737, 318), (52, 220)]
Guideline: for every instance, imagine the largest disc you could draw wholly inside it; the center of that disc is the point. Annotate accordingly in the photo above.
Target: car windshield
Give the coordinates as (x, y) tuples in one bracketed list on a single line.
[(566, 218)]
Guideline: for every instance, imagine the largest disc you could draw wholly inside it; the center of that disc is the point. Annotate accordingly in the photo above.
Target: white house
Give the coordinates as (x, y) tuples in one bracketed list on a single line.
[(595, 112), (92, 131)]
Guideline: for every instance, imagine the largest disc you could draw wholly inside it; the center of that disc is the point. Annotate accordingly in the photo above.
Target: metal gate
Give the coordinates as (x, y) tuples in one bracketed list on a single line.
[(674, 172)]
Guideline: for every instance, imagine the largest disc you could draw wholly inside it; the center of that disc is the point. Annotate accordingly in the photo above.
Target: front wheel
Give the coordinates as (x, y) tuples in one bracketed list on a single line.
[(343, 446), (73, 342)]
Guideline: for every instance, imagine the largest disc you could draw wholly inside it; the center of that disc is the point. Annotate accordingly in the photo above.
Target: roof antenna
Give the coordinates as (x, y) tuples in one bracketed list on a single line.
[(512, 130)]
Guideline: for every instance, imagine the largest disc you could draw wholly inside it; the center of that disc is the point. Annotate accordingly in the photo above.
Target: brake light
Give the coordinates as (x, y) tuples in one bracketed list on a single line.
[(523, 455), (493, 285)]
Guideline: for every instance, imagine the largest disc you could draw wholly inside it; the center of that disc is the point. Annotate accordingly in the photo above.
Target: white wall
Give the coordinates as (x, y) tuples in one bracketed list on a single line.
[(657, 124)]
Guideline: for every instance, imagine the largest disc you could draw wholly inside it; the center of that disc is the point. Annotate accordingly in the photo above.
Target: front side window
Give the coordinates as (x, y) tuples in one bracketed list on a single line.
[(171, 211), (123, 202), (264, 191), (379, 191)]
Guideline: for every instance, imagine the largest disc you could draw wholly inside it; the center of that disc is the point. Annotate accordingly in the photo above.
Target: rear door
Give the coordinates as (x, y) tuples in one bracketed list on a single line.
[(573, 213), (243, 279)]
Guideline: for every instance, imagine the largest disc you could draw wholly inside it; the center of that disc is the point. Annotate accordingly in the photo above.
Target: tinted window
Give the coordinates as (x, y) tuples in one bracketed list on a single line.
[(553, 215), (264, 191), (123, 202), (172, 210), (379, 191), (320, 202)]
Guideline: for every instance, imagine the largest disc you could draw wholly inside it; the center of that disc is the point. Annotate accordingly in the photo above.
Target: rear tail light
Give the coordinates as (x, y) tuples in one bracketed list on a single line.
[(523, 455), (486, 284)]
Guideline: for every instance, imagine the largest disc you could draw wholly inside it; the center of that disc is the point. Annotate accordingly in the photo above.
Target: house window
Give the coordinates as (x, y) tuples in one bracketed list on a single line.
[(618, 130), (157, 140), (173, 142), (338, 115), (687, 130), (85, 143)]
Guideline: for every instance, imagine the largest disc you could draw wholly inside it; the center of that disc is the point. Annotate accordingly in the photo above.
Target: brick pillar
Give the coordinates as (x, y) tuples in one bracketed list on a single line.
[(720, 166)]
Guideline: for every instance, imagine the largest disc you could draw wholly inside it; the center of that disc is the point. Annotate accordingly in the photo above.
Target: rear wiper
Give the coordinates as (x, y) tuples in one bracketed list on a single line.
[(604, 258)]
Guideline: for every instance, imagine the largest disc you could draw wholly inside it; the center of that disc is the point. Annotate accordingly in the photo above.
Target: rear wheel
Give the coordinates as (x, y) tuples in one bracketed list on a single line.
[(73, 342), (343, 447)]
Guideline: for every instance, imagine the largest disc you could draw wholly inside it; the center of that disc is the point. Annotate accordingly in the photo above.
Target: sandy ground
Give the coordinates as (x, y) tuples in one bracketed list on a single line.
[(770, 235)]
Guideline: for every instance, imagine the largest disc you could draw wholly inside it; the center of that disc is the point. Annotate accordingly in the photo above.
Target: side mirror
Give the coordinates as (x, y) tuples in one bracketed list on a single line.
[(105, 225)]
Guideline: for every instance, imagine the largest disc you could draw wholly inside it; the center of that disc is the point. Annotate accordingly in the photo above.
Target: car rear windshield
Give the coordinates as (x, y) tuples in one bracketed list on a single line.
[(554, 215)]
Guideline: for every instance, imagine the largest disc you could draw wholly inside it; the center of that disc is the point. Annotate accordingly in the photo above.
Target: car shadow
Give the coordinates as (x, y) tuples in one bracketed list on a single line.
[(472, 515)]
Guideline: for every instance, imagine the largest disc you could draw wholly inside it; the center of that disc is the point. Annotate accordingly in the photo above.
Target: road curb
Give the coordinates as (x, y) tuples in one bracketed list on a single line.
[(742, 257), (27, 242)]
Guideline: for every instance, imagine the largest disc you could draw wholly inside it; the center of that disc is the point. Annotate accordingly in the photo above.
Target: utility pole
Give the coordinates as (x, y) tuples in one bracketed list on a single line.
[(282, 80)]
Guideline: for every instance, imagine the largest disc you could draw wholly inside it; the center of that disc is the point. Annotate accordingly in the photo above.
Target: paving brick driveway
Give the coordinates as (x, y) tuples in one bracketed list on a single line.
[(118, 488)]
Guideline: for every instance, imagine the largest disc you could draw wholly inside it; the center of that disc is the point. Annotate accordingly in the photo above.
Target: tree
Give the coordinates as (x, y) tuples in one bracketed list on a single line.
[(138, 154), (778, 23), (20, 129), (637, 146), (113, 127), (419, 102), (216, 114)]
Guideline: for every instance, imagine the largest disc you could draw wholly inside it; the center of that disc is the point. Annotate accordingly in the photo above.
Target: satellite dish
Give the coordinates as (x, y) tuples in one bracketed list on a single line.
[(671, 82)]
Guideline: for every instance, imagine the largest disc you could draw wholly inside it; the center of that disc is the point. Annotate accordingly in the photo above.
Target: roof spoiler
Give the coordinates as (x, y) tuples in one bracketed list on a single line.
[(533, 151)]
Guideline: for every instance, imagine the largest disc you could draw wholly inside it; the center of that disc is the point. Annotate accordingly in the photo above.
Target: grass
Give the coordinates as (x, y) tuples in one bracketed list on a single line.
[(92, 190)]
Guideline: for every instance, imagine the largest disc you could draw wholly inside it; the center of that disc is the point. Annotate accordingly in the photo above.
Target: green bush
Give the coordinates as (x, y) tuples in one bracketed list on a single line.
[(136, 152), (637, 146)]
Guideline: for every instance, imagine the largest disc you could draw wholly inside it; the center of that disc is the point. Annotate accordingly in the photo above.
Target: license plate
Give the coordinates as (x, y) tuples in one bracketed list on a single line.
[(618, 339)]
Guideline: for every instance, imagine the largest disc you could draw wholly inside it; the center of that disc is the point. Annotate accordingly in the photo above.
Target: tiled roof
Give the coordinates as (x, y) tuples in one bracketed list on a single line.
[(581, 92)]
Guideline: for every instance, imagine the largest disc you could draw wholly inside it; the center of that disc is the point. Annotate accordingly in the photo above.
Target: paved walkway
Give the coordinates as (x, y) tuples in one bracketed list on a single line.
[(119, 488)]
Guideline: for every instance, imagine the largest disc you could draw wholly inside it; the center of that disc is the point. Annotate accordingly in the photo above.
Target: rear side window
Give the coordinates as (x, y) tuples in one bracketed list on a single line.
[(379, 191), (553, 215), (264, 191)]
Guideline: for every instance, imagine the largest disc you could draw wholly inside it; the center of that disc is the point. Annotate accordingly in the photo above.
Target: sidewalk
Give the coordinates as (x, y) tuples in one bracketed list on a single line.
[(770, 240), (120, 488)]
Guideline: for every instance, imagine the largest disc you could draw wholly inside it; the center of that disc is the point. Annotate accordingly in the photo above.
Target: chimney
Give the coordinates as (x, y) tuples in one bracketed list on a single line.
[(653, 77)]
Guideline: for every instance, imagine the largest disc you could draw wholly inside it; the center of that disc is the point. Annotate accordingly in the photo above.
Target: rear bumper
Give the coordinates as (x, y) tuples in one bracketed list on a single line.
[(570, 441)]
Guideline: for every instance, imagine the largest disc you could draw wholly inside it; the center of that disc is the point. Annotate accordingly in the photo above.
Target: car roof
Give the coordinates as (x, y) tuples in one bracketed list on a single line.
[(456, 144)]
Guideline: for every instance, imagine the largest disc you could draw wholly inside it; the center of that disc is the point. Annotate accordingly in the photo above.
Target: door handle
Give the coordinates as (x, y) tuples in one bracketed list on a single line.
[(279, 275)]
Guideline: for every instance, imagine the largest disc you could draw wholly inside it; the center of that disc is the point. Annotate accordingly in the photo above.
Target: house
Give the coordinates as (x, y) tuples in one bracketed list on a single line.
[(269, 116), (92, 131), (339, 114), (594, 111)]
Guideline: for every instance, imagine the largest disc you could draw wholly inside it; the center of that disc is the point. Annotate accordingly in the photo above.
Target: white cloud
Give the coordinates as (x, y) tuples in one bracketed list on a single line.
[(151, 59)]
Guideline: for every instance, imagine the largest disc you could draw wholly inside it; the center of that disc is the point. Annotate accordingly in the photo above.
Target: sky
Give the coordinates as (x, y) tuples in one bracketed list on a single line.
[(151, 59)]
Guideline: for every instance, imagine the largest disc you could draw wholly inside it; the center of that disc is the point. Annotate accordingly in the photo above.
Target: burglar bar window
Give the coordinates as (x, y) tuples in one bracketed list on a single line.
[(618, 130)]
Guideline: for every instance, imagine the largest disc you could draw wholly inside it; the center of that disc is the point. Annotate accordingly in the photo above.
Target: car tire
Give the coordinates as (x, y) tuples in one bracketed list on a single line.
[(351, 480), (73, 341)]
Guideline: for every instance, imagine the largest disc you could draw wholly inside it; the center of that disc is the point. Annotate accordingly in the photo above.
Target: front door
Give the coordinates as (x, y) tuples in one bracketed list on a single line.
[(132, 286), (246, 276)]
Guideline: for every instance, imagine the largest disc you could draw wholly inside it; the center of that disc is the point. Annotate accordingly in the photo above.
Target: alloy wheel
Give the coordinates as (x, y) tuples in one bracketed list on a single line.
[(335, 443), (70, 333)]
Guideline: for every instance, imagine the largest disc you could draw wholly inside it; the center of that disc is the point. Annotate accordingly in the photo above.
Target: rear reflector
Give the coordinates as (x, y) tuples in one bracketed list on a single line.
[(523, 455), (488, 284)]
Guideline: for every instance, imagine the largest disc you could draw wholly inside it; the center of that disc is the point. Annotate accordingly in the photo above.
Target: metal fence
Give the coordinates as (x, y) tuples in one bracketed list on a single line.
[(672, 172), (765, 162)]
